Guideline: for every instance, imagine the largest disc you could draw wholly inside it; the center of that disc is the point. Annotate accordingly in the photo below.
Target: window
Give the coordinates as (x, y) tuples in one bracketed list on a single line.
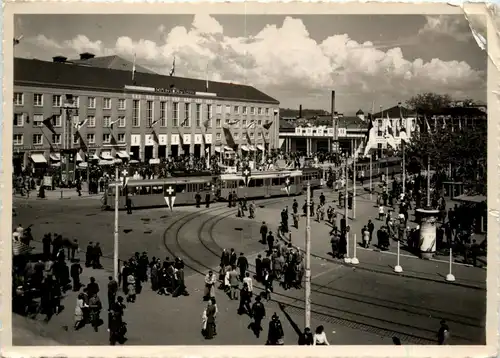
[(106, 122), (267, 134), (121, 104), (244, 123), (245, 110), (76, 120), (122, 122), (236, 135), (259, 122), (91, 138), (18, 99), (252, 110), (91, 121), (149, 113), (136, 119), (91, 102), (56, 138), (56, 100), (219, 109), (210, 111), (57, 121), (228, 109), (18, 119), (38, 100), (236, 109), (121, 137), (106, 138), (252, 134), (37, 139), (217, 136), (163, 114), (259, 111), (176, 114), (267, 111), (218, 123), (38, 120), (18, 139), (187, 115), (198, 115), (76, 101), (226, 121), (106, 103), (259, 135)]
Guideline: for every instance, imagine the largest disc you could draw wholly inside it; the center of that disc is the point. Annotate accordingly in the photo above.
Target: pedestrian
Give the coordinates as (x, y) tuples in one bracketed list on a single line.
[(197, 197), (258, 314), (89, 254), (209, 316), (242, 264), (245, 300), (232, 258), (128, 204), (112, 291), (443, 334), (251, 210), (131, 288), (270, 241), (319, 338), (76, 270), (263, 232), (47, 242), (306, 338), (79, 312), (207, 200), (249, 282), (92, 287), (97, 253), (371, 228), (233, 283), (275, 335), (181, 284), (95, 307), (258, 268), (209, 291)]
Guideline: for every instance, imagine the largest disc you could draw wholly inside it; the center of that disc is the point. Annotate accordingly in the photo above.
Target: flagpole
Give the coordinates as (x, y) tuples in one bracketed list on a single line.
[(371, 189), (354, 187), (404, 166), (115, 254), (307, 318), (428, 181)]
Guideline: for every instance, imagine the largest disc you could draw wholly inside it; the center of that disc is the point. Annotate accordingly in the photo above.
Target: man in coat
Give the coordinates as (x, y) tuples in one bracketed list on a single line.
[(242, 264)]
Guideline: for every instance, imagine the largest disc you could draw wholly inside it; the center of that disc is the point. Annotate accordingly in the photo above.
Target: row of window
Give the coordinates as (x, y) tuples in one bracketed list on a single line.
[(21, 118), (106, 138), (57, 101)]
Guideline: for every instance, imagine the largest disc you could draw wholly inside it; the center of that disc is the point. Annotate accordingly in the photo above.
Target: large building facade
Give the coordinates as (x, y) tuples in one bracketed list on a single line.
[(143, 116)]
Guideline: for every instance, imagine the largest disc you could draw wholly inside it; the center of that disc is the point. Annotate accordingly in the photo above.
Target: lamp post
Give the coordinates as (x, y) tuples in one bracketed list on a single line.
[(307, 318)]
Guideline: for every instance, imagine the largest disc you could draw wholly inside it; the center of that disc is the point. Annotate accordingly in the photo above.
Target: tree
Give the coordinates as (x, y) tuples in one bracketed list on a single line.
[(429, 102)]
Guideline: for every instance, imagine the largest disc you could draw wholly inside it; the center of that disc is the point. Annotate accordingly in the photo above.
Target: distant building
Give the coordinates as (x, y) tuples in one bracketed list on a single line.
[(156, 116)]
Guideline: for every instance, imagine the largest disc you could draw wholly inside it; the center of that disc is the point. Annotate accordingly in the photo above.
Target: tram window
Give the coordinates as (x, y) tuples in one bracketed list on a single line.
[(132, 190), (181, 188), (276, 181), (145, 190), (258, 182), (157, 189)]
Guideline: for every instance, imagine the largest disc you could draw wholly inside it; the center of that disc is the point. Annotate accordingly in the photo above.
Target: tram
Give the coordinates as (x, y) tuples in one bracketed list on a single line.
[(261, 184), (314, 176), (149, 193), (391, 165)]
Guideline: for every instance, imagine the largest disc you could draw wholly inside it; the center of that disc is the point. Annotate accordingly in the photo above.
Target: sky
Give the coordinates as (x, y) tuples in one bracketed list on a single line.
[(369, 60)]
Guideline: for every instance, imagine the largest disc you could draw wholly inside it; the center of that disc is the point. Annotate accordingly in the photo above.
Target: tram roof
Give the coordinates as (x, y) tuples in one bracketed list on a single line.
[(163, 181), (262, 175)]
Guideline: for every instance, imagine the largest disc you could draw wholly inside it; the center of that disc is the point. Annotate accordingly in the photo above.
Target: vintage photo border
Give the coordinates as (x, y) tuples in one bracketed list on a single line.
[(493, 93)]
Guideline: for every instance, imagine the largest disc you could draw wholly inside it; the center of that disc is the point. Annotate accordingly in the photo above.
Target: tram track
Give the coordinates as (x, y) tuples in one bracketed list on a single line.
[(332, 315)]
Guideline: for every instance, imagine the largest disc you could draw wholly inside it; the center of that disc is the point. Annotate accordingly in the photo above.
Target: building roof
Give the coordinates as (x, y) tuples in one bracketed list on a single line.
[(456, 112), (359, 112), (394, 112), (112, 63), (32, 72), (351, 123)]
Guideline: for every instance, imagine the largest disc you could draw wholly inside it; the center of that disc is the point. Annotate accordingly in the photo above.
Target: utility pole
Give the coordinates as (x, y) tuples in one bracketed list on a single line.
[(354, 186), (116, 242), (404, 167), (428, 181), (307, 318)]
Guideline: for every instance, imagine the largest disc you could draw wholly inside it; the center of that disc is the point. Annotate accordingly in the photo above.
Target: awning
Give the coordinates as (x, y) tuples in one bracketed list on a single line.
[(106, 156), (38, 158), (154, 161), (83, 165), (122, 154), (260, 147), (244, 147), (228, 148), (252, 148), (133, 161), (56, 164), (95, 157), (106, 162), (55, 156), (217, 149), (117, 161), (79, 157)]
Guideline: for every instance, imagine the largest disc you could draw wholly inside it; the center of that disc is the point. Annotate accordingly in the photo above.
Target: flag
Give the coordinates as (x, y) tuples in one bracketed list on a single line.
[(113, 141), (229, 137), (155, 137), (184, 122), (48, 123), (124, 178), (459, 124), (169, 194), (206, 85), (246, 175), (370, 137), (428, 127), (154, 122), (232, 123), (206, 123), (18, 40), (402, 127), (83, 146), (249, 140), (113, 122), (172, 71), (133, 67), (252, 124), (444, 123), (287, 185), (80, 124), (389, 134), (267, 125)]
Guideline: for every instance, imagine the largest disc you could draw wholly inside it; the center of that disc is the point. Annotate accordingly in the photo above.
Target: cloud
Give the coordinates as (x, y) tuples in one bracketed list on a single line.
[(285, 61), (447, 25)]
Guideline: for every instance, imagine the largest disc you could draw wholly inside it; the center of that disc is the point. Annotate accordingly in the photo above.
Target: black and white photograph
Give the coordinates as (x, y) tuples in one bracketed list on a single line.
[(206, 178)]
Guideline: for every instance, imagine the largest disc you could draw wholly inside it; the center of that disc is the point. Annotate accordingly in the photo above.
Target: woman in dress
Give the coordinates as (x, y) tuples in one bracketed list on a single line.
[(81, 306), (131, 288), (210, 313)]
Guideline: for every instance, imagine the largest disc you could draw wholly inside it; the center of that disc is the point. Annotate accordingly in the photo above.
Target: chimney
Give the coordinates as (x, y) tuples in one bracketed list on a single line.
[(59, 59), (86, 56), (333, 102), (300, 111)]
